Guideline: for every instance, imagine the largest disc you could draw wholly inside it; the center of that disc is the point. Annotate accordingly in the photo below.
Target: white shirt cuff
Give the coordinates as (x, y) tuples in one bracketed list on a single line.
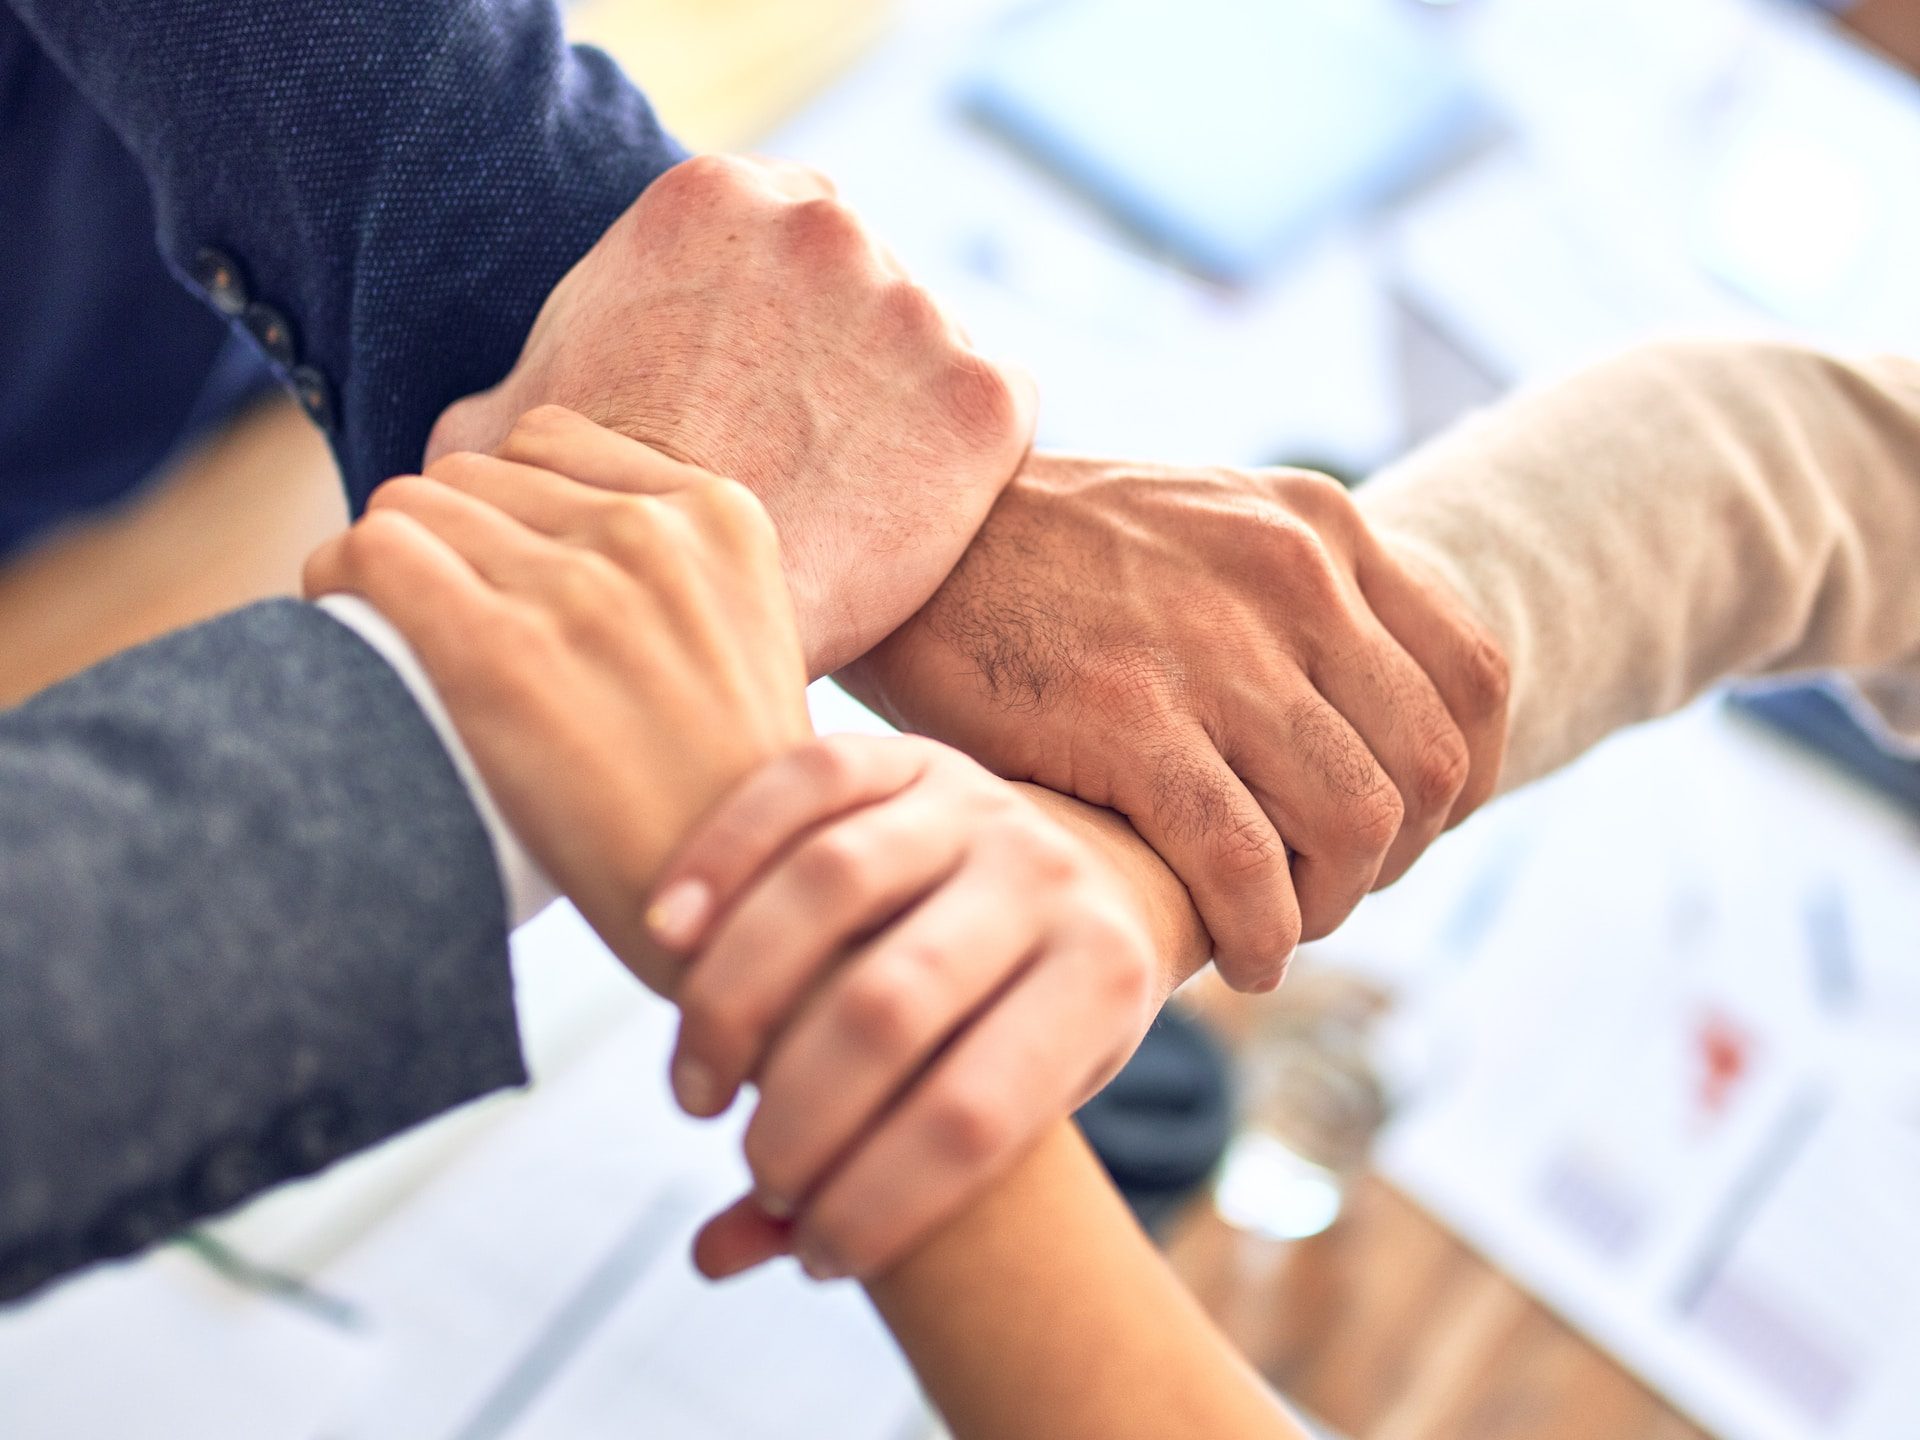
[(527, 889)]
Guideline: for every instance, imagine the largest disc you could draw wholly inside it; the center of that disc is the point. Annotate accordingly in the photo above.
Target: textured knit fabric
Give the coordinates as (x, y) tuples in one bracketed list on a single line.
[(403, 180), (1683, 514), (106, 364), (249, 923)]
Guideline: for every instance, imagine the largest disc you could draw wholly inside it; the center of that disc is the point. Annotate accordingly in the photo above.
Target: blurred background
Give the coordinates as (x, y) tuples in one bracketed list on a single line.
[(1517, 1153)]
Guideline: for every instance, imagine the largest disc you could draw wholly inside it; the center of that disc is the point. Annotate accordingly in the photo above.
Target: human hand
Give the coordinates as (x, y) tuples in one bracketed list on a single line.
[(1285, 710), (608, 629), (920, 970), (738, 318)]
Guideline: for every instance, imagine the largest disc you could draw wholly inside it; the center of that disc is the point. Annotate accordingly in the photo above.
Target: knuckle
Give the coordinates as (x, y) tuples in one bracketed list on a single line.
[(979, 394), (736, 511), (1440, 771), (1489, 677), (1247, 846), (704, 174), (1265, 965), (1126, 976), (1372, 819), (396, 494), (833, 865), (825, 229), (1318, 498), (376, 537), (1128, 684), (830, 765), (1297, 554), (529, 633), (587, 593), (1049, 858), (968, 1129), (910, 310), (627, 529), (879, 1011), (455, 466)]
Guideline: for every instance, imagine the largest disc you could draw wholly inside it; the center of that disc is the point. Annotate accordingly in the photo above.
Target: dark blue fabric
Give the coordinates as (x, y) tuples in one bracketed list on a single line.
[(405, 180), (249, 923), (105, 362)]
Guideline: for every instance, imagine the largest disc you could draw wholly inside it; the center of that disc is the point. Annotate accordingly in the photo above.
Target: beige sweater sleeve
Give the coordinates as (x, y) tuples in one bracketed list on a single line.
[(1683, 514)]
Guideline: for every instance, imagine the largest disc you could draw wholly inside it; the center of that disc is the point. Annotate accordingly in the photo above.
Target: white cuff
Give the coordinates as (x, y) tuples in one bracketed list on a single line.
[(527, 889)]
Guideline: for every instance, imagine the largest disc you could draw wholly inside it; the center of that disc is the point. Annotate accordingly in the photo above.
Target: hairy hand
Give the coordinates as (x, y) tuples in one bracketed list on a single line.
[(1284, 710), (920, 970), (739, 318)]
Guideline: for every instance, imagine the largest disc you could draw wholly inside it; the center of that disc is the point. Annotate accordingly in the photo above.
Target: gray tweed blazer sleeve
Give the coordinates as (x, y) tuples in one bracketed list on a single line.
[(249, 923)]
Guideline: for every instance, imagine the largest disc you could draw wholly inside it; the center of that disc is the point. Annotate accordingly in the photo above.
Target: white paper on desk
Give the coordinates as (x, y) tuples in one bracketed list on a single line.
[(1721, 168), (165, 1347), (1671, 1098), (540, 1284)]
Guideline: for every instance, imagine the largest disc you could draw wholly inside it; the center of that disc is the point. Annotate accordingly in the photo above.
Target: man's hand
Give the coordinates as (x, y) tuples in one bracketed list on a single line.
[(611, 634), (738, 318), (1284, 710), (921, 971)]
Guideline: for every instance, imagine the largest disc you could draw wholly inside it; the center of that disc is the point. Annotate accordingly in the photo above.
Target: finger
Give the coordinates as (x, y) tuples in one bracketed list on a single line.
[(325, 570), (554, 438), (1393, 707), (1191, 808), (817, 900), (1461, 659), (503, 551), (755, 821), (429, 592), (739, 1238), (977, 1110), (1334, 804), (869, 1031), (538, 498)]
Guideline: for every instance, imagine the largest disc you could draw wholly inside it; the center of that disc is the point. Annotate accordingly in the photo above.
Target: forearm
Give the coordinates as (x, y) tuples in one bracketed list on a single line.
[(1677, 516), (403, 183), (249, 923), (1044, 1310)]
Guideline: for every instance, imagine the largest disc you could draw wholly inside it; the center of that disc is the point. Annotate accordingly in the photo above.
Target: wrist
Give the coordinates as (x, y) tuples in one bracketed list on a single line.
[(1180, 942), (523, 884)]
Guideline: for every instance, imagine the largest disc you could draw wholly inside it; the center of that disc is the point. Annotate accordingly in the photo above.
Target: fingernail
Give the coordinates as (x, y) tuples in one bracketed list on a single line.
[(678, 912), (775, 1207), (819, 1263), (696, 1086)]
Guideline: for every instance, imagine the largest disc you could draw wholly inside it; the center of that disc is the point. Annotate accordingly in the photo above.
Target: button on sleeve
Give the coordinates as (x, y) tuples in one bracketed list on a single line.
[(225, 284), (310, 388), (274, 332)]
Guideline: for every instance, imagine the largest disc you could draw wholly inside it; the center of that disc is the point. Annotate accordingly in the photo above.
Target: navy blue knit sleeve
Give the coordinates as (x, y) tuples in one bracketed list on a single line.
[(380, 192)]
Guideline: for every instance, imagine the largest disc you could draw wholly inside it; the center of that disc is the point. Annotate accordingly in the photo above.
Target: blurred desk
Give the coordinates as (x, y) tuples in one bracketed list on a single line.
[(1388, 1327), (229, 522)]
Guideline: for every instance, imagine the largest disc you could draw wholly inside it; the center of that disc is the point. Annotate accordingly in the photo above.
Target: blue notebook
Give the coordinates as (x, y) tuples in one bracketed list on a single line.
[(1226, 131), (1811, 715)]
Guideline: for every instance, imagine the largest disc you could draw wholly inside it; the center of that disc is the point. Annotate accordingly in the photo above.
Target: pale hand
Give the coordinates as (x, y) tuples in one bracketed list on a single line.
[(739, 318)]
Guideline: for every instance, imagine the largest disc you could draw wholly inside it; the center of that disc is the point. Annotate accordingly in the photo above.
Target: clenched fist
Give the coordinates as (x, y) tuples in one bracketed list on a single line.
[(1284, 709), (739, 318)]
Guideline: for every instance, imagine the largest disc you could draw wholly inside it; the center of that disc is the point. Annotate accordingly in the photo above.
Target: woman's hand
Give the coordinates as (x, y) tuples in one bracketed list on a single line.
[(609, 630), (920, 970)]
